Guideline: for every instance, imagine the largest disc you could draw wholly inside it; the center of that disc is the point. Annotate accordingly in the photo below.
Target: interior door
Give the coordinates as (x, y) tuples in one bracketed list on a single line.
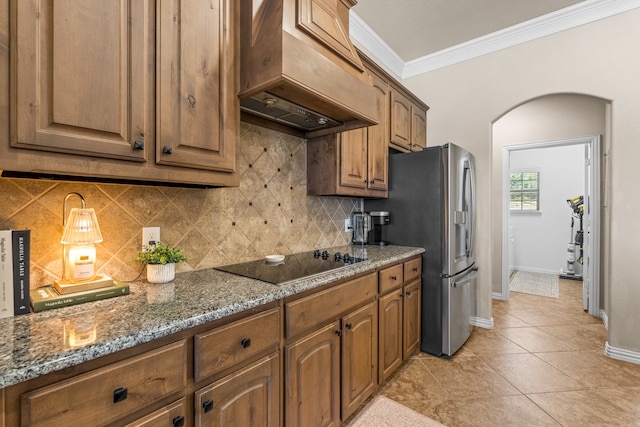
[(591, 237)]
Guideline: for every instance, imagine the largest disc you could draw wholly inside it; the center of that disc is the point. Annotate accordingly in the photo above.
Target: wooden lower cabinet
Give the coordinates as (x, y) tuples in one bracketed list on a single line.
[(312, 379), (359, 357), (247, 398), (411, 318), (110, 393), (399, 316), (331, 371), (177, 414), (390, 335)]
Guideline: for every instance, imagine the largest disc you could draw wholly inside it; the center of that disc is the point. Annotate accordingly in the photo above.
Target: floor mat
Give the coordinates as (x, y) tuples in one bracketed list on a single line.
[(384, 412), (542, 284)]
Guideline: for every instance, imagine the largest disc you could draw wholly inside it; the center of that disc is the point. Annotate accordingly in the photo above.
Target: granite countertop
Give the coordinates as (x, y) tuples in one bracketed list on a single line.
[(36, 344)]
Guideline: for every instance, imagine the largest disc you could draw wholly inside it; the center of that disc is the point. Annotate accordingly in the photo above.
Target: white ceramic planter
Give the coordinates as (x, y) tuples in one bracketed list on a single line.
[(161, 273)]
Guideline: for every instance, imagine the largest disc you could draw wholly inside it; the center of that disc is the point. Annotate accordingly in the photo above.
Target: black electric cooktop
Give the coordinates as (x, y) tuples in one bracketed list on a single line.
[(293, 267)]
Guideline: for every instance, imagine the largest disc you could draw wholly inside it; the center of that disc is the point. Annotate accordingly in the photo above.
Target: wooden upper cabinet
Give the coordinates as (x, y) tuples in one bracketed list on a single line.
[(400, 120), (353, 158), (408, 130), (196, 56), (325, 21), (82, 82), (377, 138), (418, 128), (128, 90)]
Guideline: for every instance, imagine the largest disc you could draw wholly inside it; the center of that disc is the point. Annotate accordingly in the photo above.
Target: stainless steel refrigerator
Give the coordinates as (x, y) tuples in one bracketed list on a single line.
[(432, 205)]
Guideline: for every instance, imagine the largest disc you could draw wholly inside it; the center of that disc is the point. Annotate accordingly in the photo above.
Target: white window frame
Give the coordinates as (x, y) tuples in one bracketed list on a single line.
[(525, 211)]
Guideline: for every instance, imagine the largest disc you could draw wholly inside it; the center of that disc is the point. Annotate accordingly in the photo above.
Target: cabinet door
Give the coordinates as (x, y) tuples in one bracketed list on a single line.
[(248, 397), (312, 379), (412, 305), (197, 84), (175, 414), (400, 129), (60, 104), (353, 158), (390, 335), (359, 357), (377, 138), (418, 128)]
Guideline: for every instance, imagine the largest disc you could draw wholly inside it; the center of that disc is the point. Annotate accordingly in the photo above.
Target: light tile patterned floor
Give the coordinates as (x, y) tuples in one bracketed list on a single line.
[(543, 364)]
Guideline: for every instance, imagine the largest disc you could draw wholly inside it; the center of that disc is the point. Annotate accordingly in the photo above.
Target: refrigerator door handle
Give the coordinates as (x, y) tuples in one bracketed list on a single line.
[(467, 278), (469, 195)]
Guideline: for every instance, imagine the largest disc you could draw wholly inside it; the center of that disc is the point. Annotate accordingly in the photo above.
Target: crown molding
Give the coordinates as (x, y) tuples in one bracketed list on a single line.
[(563, 19), (364, 38)]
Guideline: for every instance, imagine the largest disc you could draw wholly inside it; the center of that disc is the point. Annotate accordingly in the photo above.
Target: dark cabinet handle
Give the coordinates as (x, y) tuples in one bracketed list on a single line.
[(348, 326), (338, 332), (401, 295), (178, 421), (119, 394), (394, 277), (407, 293), (366, 181), (415, 269), (138, 145), (167, 150), (373, 181), (246, 342), (207, 405)]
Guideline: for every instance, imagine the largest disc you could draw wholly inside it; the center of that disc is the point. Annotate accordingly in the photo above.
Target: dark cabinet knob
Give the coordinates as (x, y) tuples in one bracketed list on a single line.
[(401, 295), (207, 405), (408, 293), (120, 394), (167, 150), (178, 421), (394, 277), (373, 181), (415, 269), (246, 342), (348, 326), (338, 332), (138, 145), (366, 181)]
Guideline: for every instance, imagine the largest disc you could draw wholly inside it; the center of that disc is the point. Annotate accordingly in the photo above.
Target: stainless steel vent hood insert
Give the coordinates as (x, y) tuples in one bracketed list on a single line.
[(271, 107), (299, 53)]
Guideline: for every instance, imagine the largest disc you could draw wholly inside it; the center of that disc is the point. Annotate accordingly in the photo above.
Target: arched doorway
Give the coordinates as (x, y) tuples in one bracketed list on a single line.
[(545, 122)]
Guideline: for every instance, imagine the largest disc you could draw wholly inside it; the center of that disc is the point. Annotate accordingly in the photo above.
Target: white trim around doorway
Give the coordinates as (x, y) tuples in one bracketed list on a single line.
[(592, 142)]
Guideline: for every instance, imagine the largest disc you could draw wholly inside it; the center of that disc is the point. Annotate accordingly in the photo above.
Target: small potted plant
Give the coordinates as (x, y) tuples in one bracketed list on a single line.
[(161, 262)]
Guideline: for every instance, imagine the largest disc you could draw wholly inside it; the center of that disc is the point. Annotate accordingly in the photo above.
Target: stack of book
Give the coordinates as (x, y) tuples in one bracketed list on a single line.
[(14, 272), (54, 296)]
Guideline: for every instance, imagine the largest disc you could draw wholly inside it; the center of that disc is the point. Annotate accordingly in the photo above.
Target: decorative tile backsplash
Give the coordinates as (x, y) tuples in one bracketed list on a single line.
[(268, 213)]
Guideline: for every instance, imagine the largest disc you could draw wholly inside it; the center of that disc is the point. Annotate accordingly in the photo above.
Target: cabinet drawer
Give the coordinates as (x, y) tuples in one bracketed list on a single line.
[(391, 277), (223, 347), (109, 393), (176, 414), (412, 269), (314, 310)]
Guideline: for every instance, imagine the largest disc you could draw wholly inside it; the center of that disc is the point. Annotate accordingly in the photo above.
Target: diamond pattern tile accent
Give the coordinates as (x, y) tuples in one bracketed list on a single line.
[(268, 213)]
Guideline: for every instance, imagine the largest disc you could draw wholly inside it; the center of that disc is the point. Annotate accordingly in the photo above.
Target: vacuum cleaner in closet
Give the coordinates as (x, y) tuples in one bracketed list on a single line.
[(575, 249)]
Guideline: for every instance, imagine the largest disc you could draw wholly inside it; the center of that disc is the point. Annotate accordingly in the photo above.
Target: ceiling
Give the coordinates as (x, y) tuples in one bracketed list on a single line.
[(411, 37)]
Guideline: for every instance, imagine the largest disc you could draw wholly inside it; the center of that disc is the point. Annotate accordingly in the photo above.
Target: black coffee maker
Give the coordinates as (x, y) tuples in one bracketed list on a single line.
[(378, 220)]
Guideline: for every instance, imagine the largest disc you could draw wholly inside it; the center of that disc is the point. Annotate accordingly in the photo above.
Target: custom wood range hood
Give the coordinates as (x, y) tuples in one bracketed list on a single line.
[(300, 69)]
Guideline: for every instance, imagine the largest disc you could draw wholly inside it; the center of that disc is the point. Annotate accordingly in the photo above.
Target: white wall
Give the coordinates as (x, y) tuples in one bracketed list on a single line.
[(600, 60), (541, 239)]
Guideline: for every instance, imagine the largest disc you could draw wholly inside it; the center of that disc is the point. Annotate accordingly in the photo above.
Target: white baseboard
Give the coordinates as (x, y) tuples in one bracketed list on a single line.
[(605, 319), (621, 354), (537, 270), (497, 295), (483, 323)]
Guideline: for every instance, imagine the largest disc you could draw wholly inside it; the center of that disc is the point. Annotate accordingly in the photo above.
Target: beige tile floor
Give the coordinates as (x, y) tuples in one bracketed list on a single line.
[(543, 364)]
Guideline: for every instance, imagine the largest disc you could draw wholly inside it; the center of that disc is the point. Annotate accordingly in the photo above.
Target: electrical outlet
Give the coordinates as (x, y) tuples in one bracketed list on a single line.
[(347, 224), (150, 236)]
